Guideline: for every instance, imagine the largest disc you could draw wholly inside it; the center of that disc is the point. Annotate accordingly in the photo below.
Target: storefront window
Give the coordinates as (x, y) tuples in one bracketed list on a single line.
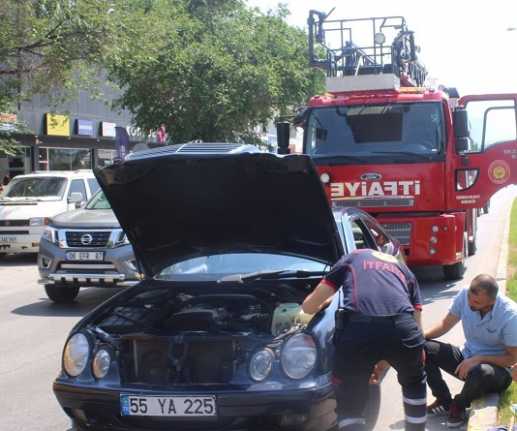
[(64, 159), (17, 164), (104, 158)]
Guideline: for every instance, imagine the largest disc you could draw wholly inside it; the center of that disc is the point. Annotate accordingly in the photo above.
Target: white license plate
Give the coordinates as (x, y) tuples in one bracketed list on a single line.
[(6, 239), (191, 406), (85, 255)]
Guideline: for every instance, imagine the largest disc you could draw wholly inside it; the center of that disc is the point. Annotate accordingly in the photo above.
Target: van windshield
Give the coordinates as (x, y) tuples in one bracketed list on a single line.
[(36, 187)]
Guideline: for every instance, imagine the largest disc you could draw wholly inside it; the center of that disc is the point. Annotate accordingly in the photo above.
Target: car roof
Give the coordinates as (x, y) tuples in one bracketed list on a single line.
[(83, 173)]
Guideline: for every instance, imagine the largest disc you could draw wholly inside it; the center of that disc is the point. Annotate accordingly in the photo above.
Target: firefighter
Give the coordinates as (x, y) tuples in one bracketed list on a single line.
[(377, 320)]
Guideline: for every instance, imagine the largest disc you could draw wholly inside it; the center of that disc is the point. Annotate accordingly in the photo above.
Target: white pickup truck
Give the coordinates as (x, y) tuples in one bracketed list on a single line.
[(30, 200)]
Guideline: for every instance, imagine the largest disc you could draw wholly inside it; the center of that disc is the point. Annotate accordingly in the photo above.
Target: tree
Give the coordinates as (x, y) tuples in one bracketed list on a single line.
[(52, 46), (212, 69)]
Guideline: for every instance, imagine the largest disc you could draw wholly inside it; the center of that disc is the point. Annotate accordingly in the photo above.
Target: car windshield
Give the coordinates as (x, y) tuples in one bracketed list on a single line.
[(366, 130), (36, 187), (98, 202), (240, 263)]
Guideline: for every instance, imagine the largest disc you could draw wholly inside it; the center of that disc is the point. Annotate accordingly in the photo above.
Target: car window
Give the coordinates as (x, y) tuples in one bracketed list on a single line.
[(77, 186), (380, 238), (98, 202), (36, 187), (239, 263), (94, 185), (362, 238)]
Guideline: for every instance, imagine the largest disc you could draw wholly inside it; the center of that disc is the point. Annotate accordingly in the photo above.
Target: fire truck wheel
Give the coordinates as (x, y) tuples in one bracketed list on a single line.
[(455, 272), (61, 294)]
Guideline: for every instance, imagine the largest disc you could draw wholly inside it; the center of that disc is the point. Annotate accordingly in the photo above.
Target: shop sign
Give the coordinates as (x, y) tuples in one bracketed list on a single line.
[(8, 122), (108, 129), (57, 125), (85, 128)]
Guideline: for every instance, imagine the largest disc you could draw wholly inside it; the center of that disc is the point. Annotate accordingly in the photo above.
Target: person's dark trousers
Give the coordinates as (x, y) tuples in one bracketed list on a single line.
[(481, 380), (359, 346)]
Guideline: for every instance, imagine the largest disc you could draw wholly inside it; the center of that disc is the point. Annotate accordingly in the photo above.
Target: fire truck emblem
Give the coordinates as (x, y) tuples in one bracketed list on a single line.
[(371, 176), (499, 172), (375, 188)]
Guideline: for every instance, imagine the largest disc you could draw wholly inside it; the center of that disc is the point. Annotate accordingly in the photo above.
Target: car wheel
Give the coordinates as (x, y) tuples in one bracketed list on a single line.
[(61, 293), (371, 413)]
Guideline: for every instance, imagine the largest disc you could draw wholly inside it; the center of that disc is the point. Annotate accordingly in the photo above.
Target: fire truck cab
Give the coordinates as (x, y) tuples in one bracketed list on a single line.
[(421, 160)]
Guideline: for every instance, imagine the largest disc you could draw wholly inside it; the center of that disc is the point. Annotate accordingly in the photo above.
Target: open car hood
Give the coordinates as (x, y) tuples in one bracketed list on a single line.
[(176, 206)]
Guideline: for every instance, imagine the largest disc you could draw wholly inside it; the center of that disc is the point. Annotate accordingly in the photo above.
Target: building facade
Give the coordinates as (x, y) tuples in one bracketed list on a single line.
[(78, 134)]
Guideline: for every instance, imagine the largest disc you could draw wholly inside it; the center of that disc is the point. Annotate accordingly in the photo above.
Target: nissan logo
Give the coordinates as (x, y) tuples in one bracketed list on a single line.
[(371, 176), (86, 239)]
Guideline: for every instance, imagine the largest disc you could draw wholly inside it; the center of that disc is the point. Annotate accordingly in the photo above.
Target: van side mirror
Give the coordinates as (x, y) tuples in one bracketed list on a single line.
[(75, 198), (282, 136)]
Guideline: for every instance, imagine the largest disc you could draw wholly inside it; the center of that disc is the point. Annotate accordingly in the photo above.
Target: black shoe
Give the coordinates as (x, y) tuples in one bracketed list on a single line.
[(438, 408), (457, 416)]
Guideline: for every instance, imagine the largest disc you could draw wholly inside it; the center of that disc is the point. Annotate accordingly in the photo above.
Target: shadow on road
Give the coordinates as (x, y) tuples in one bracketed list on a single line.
[(87, 300), (18, 260)]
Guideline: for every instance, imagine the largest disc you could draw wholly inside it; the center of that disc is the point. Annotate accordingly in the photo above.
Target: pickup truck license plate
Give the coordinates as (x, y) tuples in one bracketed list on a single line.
[(85, 255), (8, 239), (191, 406)]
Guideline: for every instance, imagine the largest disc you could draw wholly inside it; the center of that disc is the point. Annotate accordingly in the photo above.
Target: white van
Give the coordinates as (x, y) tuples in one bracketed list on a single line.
[(30, 200)]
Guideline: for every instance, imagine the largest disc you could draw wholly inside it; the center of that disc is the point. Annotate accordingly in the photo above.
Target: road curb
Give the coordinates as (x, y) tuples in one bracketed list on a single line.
[(484, 410)]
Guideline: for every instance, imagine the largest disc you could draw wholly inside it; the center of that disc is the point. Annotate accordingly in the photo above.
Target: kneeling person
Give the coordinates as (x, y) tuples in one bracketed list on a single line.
[(490, 327)]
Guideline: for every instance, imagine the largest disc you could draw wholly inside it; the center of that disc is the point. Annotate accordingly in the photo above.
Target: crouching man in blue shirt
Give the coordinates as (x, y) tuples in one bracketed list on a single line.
[(490, 326)]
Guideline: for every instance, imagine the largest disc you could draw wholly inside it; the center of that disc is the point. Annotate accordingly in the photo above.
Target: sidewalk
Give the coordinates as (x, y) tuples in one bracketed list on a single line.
[(484, 411)]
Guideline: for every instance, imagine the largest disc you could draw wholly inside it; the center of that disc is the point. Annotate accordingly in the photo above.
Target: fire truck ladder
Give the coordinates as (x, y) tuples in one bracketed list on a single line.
[(348, 59)]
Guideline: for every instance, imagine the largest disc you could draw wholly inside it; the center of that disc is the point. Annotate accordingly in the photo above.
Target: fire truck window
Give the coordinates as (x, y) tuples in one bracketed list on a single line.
[(376, 130), (500, 126), (493, 119)]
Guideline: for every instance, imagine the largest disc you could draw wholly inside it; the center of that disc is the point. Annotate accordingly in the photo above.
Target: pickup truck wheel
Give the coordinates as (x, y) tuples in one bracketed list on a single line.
[(60, 293)]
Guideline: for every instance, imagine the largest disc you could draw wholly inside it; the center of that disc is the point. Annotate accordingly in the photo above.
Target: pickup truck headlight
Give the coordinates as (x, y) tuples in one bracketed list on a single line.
[(38, 221), (76, 354), (298, 356), (121, 239), (50, 234)]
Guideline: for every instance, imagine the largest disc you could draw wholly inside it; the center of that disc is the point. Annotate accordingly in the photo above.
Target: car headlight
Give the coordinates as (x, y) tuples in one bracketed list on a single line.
[(50, 234), (260, 364), (101, 363), (75, 356), (38, 221), (299, 356)]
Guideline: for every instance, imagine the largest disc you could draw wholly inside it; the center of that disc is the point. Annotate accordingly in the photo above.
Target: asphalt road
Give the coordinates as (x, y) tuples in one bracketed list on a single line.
[(32, 332)]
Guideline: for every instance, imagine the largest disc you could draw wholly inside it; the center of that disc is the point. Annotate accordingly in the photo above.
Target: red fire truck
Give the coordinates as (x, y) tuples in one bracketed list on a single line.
[(421, 160)]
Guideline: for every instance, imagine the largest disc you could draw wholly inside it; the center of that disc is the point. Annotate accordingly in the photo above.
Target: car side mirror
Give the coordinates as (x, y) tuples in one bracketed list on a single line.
[(461, 123), (282, 135), (75, 198)]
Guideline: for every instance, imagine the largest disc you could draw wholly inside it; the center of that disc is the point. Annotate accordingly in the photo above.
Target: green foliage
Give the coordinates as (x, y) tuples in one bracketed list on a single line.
[(210, 69), (510, 395), (50, 44)]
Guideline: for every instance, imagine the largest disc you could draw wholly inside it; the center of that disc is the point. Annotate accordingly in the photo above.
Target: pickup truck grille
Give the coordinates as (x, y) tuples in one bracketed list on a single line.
[(400, 231), (14, 222), (87, 239)]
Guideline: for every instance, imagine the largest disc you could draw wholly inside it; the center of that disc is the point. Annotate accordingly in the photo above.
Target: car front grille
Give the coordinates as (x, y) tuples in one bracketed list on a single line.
[(87, 238), (400, 231), (14, 222), (164, 361)]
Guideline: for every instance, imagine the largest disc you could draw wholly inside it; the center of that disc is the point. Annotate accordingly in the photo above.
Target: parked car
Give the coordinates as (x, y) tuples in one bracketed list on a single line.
[(30, 200), (84, 248), (214, 337)]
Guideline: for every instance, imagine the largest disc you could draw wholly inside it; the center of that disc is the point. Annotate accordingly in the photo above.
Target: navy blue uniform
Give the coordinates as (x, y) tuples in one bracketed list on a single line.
[(378, 296)]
